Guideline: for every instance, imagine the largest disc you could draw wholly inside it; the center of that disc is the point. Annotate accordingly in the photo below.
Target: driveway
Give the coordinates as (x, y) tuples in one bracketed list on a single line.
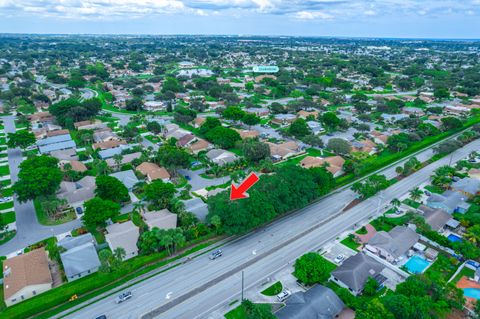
[(199, 182), (29, 231)]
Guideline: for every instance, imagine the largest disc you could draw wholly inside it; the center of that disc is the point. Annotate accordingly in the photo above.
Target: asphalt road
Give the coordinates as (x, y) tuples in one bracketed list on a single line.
[(197, 288), (29, 231)]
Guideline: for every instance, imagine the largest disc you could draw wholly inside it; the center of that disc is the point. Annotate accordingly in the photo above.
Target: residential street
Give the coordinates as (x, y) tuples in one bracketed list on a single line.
[(196, 289), (29, 231)]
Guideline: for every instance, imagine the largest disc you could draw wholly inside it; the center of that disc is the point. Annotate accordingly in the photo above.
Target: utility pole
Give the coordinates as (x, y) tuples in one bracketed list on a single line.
[(242, 284)]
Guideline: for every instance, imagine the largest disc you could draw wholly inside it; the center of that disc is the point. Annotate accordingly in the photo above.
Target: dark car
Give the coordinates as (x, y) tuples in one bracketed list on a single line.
[(79, 210), (101, 317), (216, 254)]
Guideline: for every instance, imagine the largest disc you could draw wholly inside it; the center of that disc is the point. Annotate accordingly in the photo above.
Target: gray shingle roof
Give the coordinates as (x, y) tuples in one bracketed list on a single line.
[(355, 271), (396, 242), (80, 257), (318, 302)]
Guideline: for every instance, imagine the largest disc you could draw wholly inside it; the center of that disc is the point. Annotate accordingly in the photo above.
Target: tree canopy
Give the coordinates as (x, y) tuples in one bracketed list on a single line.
[(110, 188)]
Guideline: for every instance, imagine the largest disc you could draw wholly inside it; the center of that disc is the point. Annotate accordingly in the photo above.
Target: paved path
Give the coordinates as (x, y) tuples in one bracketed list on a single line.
[(197, 289), (29, 231)]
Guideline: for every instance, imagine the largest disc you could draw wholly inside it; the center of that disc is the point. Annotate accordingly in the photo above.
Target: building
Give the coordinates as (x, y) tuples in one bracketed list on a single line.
[(76, 166), (152, 171), (199, 146), (283, 150), (394, 244), (284, 119), (76, 193), (80, 258), (26, 276), (355, 271), (467, 186), (124, 235), (450, 201), (333, 164), (438, 219), (55, 143), (126, 159), (318, 302), (111, 152), (221, 157), (162, 219), (127, 178)]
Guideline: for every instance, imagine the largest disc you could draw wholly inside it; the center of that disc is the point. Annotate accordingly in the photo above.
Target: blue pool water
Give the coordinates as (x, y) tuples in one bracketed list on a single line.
[(416, 265), (472, 292), (454, 238)]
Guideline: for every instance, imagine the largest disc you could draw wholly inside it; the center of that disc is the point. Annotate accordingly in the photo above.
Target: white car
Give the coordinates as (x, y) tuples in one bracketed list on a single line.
[(123, 297), (283, 295), (5, 199), (339, 259)]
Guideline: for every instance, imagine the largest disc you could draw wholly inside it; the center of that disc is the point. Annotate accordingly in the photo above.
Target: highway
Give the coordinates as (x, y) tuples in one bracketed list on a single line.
[(197, 288)]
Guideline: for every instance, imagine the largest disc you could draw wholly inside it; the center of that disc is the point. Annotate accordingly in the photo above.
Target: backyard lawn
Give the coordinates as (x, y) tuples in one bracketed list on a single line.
[(387, 224), (44, 219), (4, 170)]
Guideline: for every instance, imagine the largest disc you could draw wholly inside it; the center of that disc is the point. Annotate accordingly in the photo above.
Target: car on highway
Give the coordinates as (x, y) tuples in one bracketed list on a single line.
[(339, 259), (216, 254), (283, 295), (101, 317), (123, 297)]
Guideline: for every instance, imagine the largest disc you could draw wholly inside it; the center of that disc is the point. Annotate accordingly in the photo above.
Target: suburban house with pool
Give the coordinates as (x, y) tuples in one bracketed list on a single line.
[(395, 244)]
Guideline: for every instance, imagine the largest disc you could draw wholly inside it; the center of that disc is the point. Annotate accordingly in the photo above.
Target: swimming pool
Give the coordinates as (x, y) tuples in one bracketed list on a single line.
[(416, 264), (454, 238), (472, 292)]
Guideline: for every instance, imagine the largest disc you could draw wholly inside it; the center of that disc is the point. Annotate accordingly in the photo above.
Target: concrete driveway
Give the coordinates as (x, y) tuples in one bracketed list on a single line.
[(198, 182)]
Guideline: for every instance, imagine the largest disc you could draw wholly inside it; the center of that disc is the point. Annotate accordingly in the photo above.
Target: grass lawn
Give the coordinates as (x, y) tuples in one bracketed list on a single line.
[(442, 268), (7, 218), (411, 203), (4, 170), (7, 205), (240, 313), (350, 242), (434, 189), (152, 138), (386, 224), (467, 272), (362, 231), (44, 219), (273, 290), (4, 237)]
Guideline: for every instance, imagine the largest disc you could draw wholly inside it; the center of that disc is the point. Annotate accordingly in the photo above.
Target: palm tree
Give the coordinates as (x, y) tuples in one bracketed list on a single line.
[(166, 240), (139, 206), (416, 194), (473, 234), (178, 239), (395, 203)]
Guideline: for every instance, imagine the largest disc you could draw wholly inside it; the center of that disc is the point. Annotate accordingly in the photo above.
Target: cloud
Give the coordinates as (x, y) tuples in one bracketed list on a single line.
[(298, 9)]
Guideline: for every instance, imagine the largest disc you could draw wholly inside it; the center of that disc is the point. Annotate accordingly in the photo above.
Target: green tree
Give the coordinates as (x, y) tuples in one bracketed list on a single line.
[(312, 268), (255, 150), (38, 176), (299, 128), (97, 211), (416, 194), (209, 124), (110, 188), (371, 286), (173, 157), (250, 119), (451, 123), (223, 137), (372, 309), (22, 139), (159, 193), (339, 146), (330, 120), (233, 113)]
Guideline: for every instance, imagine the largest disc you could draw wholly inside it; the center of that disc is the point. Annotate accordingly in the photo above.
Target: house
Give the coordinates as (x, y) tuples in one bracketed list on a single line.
[(65, 155), (318, 302), (26, 276), (41, 118), (104, 136), (152, 171), (221, 157), (258, 111), (438, 219), (162, 219), (199, 145), (82, 123), (76, 166), (105, 145), (55, 143), (127, 178), (355, 271), (394, 244), (247, 133), (467, 186), (365, 146), (283, 119), (283, 150), (197, 122), (126, 159), (333, 164), (304, 114), (450, 201), (51, 133), (124, 235), (315, 127), (76, 193), (186, 140), (80, 258), (392, 118), (154, 106), (413, 111), (107, 153)]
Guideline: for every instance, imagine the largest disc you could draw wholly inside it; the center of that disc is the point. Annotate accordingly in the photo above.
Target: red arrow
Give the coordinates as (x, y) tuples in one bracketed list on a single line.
[(239, 192)]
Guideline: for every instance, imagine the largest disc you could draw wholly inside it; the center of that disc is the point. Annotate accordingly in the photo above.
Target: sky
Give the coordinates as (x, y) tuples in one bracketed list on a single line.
[(349, 18)]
